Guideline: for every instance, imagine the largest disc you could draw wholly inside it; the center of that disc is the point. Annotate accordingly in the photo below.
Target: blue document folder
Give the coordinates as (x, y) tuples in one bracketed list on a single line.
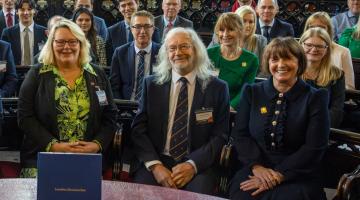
[(69, 176)]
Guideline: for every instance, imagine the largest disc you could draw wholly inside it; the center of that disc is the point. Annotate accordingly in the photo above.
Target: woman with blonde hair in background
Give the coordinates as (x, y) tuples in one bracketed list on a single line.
[(235, 64), (340, 56), (321, 73), (350, 39)]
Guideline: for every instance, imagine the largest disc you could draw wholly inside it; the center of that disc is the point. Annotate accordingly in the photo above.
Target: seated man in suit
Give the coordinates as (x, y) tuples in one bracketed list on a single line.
[(100, 24), (269, 26), (120, 33), (8, 78), (347, 19), (26, 38), (8, 17), (133, 61), (170, 18), (183, 118)]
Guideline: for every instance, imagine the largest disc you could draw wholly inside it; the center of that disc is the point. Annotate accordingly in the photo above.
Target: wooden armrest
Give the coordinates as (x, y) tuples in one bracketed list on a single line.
[(345, 136)]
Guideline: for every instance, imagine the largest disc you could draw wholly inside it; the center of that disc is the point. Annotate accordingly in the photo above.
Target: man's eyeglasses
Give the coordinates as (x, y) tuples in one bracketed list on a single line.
[(309, 46), (181, 47), (71, 43), (138, 27)]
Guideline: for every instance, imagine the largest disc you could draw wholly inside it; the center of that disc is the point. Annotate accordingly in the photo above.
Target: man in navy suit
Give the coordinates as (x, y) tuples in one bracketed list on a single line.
[(183, 118), (100, 24), (269, 26), (26, 38), (170, 18), (124, 76), (8, 78), (8, 17), (120, 33)]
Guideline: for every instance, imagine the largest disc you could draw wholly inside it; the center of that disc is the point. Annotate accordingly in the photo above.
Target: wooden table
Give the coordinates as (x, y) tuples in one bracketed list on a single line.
[(25, 189)]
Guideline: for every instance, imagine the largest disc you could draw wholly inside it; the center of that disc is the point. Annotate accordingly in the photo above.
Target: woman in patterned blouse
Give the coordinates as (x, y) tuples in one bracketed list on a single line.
[(65, 103), (85, 19)]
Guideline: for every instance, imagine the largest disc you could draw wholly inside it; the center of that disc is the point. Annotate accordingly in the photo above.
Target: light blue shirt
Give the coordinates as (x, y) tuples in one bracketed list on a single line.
[(342, 21)]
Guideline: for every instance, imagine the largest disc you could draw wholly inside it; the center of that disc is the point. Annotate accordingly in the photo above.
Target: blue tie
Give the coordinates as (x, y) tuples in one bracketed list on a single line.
[(140, 74), (266, 33), (130, 37), (179, 136)]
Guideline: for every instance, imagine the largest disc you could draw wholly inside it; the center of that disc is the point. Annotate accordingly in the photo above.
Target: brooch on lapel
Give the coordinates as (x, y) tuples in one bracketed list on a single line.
[(263, 110)]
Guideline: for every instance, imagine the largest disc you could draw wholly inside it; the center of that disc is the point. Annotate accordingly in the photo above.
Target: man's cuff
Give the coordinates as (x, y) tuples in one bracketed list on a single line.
[(149, 164), (193, 164), (98, 143)]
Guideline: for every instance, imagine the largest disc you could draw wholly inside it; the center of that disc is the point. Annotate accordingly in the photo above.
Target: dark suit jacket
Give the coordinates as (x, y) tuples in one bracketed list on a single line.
[(3, 21), (12, 35), (37, 113), (301, 131), (122, 74), (279, 29), (179, 22), (8, 79), (149, 128), (117, 36), (101, 27)]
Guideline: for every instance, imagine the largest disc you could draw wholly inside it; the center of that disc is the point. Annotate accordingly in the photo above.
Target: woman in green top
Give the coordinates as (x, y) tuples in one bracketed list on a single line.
[(350, 38), (236, 65)]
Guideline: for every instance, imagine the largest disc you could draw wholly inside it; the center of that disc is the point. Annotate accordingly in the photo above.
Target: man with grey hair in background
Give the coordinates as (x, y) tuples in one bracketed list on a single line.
[(183, 118), (170, 19), (268, 25)]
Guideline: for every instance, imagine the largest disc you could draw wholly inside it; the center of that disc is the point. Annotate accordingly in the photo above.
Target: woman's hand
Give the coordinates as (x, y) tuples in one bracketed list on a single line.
[(254, 183), (268, 177), (75, 147)]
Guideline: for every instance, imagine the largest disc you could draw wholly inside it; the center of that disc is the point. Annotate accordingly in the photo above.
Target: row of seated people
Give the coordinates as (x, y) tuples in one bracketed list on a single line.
[(281, 129)]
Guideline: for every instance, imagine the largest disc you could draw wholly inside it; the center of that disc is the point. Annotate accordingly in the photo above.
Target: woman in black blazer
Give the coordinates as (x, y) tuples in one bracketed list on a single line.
[(281, 130), (65, 104)]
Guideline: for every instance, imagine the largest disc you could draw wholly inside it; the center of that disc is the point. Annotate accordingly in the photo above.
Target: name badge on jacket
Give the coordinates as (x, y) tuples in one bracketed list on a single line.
[(204, 116), (102, 97)]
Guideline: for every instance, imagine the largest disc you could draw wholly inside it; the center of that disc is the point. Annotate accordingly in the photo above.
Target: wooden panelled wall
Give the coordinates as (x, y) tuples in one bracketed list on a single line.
[(202, 12)]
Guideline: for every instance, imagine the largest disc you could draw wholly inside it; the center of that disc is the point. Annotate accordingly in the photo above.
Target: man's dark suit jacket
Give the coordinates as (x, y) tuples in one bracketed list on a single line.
[(117, 36), (122, 75), (3, 21), (179, 22), (12, 35), (279, 29), (8, 79), (149, 128)]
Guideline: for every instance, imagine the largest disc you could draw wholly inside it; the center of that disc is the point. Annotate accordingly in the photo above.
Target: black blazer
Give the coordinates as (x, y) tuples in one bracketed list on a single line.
[(122, 74), (37, 113), (12, 35), (3, 21), (117, 36), (149, 128), (297, 142), (179, 22), (279, 29)]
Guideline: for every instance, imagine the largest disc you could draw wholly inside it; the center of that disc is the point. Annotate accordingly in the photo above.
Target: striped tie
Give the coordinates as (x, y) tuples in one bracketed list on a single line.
[(140, 74), (179, 137)]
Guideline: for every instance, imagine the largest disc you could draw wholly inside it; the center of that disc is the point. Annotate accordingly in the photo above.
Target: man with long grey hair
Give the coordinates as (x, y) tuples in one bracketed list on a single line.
[(182, 121)]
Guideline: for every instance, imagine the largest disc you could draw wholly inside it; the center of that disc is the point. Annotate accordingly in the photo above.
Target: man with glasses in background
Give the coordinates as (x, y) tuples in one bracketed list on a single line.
[(133, 61), (120, 33)]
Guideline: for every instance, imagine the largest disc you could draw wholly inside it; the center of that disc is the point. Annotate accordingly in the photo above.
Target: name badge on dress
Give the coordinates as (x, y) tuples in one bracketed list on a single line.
[(204, 116), (102, 97)]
